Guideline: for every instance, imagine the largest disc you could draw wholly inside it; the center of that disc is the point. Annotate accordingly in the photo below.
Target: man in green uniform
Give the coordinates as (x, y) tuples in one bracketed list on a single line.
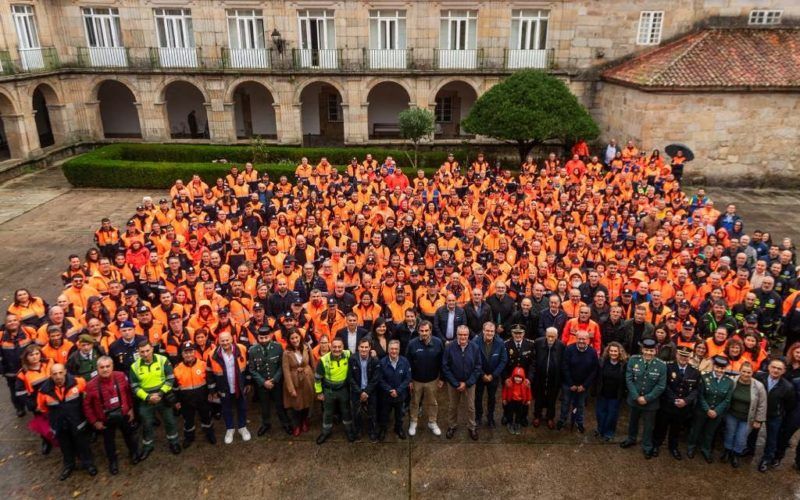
[(265, 365), (713, 401), (151, 381), (646, 379), (331, 386)]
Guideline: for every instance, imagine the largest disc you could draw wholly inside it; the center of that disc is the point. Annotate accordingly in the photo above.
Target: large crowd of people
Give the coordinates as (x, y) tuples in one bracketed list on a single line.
[(369, 296)]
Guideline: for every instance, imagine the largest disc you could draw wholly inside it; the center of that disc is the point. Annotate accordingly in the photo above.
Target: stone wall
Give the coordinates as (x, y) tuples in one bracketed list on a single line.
[(738, 138)]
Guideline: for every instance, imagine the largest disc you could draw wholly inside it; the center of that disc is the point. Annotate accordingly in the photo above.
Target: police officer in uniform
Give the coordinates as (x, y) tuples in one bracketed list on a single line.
[(713, 400), (333, 389), (677, 401), (646, 379), (520, 353), (265, 366)]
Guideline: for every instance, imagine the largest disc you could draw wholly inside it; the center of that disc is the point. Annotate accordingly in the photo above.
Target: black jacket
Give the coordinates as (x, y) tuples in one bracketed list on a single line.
[(360, 334), (546, 320), (502, 310), (630, 337), (373, 375), (547, 363), (303, 288), (612, 332), (67, 414), (529, 321), (440, 322), (611, 380), (475, 321), (781, 399), (522, 356), (679, 386)]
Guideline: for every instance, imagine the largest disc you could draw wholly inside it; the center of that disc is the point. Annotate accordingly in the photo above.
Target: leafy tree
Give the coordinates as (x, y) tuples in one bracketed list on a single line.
[(527, 109), (415, 125)]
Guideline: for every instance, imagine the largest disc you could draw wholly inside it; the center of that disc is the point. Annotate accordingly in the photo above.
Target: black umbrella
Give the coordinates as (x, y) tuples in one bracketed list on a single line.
[(672, 151)]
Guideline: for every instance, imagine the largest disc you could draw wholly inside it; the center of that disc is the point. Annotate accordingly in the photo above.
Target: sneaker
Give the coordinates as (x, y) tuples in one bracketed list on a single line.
[(412, 429), (229, 436), (244, 433), (434, 429)]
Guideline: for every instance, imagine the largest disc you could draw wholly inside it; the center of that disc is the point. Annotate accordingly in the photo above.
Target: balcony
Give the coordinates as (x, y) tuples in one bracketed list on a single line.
[(103, 57), (38, 59), (317, 58), (247, 58), (458, 59), (388, 59), (536, 59), (174, 57)]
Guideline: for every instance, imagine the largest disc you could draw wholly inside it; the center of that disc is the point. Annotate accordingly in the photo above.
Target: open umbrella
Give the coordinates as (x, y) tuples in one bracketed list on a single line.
[(672, 150)]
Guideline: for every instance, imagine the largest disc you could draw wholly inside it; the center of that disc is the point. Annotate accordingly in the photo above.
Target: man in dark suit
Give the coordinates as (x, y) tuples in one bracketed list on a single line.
[(352, 334), (478, 312), (547, 358), (677, 401), (447, 319), (364, 379), (527, 318)]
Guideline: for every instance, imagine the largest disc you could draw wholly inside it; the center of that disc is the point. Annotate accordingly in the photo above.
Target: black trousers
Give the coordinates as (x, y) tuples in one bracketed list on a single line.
[(190, 409), (18, 402), (490, 388), (267, 398), (112, 425), (391, 405), (515, 412), (546, 397), (669, 425), (365, 413), (75, 444)]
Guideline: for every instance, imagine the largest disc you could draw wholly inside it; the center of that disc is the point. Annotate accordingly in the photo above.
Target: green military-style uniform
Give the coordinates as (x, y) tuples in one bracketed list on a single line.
[(265, 362), (332, 380), (151, 378), (715, 394), (648, 379)]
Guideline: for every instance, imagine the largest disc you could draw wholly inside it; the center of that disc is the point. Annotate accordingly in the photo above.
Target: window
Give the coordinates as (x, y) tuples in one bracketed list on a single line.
[(458, 30), (650, 23), (765, 17), (444, 109), (334, 107), (25, 23), (246, 29), (529, 29), (387, 29), (316, 29), (174, 27), (102, 27)]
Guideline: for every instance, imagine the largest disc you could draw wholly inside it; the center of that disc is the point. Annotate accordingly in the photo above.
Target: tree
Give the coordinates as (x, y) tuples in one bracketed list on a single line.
[(527, 109), (415, 125)]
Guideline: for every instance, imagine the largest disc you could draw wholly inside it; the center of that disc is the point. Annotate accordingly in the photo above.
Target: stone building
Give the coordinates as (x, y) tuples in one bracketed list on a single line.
[(336, 71)]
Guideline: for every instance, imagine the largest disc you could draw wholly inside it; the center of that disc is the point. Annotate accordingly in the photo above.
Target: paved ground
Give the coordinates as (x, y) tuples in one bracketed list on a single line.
[(42, 220)]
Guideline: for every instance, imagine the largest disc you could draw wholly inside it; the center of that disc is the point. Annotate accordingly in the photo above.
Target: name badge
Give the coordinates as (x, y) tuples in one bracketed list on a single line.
[(114, 400), (93, 374)]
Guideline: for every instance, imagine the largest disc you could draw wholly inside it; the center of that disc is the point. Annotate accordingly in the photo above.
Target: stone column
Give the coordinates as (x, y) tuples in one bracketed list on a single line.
[(355, 111), (154, 121), (30, 130), (220, 121), (58, 123), (18, 141), (94, 120)]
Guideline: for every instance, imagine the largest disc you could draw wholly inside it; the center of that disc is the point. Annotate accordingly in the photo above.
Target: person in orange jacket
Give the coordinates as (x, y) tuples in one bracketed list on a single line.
[(516, 397)]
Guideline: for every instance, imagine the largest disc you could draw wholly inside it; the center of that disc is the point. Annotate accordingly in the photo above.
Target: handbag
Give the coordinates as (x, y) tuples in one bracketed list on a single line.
[(114, 414)]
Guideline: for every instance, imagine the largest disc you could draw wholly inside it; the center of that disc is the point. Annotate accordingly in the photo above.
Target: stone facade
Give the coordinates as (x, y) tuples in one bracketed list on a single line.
[(582, 37), (738, 138)]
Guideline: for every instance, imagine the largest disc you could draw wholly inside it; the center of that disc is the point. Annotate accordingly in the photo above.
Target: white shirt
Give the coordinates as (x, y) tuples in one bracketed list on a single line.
[(451, 320), (352, 339), (230, 367)]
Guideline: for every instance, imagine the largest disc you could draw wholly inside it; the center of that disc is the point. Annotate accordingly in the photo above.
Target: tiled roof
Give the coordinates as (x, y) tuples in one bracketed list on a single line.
[(735, 58)]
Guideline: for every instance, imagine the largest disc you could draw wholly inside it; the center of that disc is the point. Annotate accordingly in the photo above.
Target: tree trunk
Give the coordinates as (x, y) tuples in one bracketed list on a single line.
[(523, 148), (416, 160)]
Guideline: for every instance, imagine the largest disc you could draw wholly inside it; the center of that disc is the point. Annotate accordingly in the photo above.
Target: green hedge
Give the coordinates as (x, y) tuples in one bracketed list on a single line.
[(158, 165)]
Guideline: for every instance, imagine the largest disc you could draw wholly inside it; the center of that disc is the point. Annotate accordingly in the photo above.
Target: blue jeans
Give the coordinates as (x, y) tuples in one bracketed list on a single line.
[(607, 412), (229, 403), (574, 402), (736, 432), (771, 445)]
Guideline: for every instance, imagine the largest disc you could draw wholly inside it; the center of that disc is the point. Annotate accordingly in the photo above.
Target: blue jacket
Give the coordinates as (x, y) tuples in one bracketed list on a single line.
[(425, 360), (395, 378), (440, 322), (498, 356), (462, 365), (580, 368)]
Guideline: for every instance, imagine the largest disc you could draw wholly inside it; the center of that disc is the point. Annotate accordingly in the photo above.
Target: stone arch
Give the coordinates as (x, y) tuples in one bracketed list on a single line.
[(447, 81), (117, 106), (10, 138), (311, 81), (185, 109), (321, 106), (253, 109), (386, 100), (451, 102), (49, 126)]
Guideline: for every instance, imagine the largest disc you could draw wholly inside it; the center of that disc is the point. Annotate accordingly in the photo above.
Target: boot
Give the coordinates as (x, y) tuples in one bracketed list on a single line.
[(306, 425), (726, 455), (188, 439), (734, 460), (210, 436), (323, 436)]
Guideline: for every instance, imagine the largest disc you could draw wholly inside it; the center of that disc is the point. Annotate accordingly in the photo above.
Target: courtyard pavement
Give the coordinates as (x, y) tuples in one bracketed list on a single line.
[(42, 220)]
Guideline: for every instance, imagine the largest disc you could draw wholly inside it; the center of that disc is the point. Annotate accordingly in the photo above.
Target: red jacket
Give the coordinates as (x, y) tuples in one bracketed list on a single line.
[(520, 392), (94, 408)]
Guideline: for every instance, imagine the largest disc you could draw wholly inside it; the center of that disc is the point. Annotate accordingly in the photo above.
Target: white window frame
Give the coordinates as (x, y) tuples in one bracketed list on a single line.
[(246, 29), (765, 17), (459, 30), (387, 29), (326, 35), (651, 24), (530, 27), (25, 23), (102, 27), (174, 28)]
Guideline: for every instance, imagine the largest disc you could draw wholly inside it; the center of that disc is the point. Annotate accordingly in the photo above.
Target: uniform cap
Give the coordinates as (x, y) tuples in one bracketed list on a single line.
[(684, 303), (720, 361), (126, 324), (142, 309), (86, 338), (649, 343), (258, 307), (751, 318), (174, 316), (331, 302), (517, 328), (688, 324), (263, 331), (684, 350)]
